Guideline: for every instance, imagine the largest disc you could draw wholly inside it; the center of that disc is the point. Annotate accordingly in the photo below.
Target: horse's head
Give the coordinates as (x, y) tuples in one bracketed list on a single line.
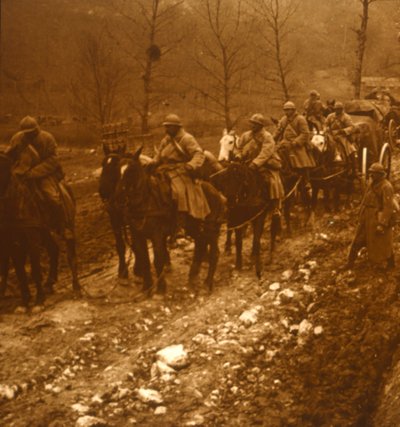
[(318, 141), (227, 144), (111, 171), (134, 174)]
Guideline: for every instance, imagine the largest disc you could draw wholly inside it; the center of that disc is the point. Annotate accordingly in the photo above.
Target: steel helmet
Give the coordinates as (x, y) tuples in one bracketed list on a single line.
[(338, 105), (28, 124), (289, 105), (258, 119), (172, 120), (376, 168), (314, 93)]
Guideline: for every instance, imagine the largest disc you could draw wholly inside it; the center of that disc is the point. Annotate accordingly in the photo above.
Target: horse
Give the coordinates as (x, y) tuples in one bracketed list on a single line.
[(113, 166), (48, 239), (228, 143), (248, 202), (20, 232), (332, 174), (151, 214)]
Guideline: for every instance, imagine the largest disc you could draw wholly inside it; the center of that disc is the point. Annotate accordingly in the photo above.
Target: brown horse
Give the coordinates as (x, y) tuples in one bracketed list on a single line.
[(151, 213)]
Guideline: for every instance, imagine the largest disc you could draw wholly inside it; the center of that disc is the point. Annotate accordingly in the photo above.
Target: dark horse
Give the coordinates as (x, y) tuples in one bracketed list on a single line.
[(248, 202), (151, 214), (24, 201), (110, 180), (20, 232)]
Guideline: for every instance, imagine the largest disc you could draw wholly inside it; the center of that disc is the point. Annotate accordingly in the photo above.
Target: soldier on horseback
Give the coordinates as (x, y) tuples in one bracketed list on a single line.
[(180, 156), (314, 111), (34, 155), (341, 127), (293, 138), (258, 148)]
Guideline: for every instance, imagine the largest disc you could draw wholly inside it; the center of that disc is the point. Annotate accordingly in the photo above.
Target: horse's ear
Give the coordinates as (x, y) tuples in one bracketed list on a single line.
[(137, 153), (225, 132)]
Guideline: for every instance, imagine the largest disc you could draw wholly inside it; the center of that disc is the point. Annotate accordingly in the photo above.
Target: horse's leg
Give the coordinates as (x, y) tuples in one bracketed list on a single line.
[(53, 252), (239, 247), (275, 230), (213, 259), (258, 228), (118, 230), (33, 243), (73, 265), (159, 248), (200, 247), (142, 253), (228, 242), (18, 256)]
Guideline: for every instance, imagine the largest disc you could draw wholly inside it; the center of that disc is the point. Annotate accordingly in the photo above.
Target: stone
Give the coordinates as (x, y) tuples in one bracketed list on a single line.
[(250, 317), (148, 395), (274, 286), (174, 356), (286, 295), (197, 420), (160, 410), (6, 392), (305, 273), (318, 330), (286, 275), (305, 327), (89, 421), (79, 407), (203, 340), (311, 264)]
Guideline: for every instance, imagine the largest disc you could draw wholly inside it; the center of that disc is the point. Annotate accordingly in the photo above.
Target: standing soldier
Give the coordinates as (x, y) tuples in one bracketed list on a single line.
[(341, 127), (314, 111), (258, 147), (181, 156), (374, 230), (293, 138)]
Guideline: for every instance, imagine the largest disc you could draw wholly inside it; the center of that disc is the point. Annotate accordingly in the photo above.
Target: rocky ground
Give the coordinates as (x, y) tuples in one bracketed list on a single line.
[(306, 345)]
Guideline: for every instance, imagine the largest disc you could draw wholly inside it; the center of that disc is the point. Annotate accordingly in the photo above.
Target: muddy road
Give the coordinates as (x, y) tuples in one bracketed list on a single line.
[(306, 345)]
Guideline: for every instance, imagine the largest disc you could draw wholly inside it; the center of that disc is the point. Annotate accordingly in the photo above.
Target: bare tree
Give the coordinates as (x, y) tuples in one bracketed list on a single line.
[(100, 78), (276, 20), (361, 34), (221, 57), (149, 37)]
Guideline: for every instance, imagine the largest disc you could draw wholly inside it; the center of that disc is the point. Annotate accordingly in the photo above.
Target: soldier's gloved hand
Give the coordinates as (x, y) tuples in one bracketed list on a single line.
[(189, 169), (380, 229)]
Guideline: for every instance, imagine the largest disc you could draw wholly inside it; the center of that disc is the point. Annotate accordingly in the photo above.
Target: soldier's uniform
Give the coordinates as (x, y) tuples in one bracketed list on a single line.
[(181, 157), (314, 111), (260, 149)]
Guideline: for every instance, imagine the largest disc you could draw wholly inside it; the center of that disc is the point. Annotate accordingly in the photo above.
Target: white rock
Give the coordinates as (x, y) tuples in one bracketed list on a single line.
[(234, 389), (318, 330), (123, 392), (88, 421), (203, 340), (287, 274), (6, 392), (286, 295), (306, 273), (198, 420), (305, 327), (160, 410), (312, 265), (97, 399), (275, 286), (309, 289), (148, 395), (78, 407), (87, 337), (174, 356), (250, 317)]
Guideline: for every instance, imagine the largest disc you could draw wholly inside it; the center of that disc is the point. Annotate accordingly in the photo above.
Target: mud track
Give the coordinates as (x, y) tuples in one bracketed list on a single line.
[(314, 355)]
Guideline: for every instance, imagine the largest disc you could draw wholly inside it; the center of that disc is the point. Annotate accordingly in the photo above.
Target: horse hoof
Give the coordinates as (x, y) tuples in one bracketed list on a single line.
[(21, 310), (123, 281)]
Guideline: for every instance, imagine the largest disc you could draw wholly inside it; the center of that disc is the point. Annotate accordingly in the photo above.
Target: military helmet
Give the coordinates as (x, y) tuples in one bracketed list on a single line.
[(172, 120), (289, 105), (338, 105), (314, 93), (28, 124), (331, 102), (258, 119), (376, 168)]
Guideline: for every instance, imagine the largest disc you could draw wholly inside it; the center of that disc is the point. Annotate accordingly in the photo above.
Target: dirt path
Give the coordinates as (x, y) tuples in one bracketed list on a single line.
[(310, 352)]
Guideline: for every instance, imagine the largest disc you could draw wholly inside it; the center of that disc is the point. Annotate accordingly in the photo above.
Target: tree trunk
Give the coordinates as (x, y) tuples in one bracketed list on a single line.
[(361, 39)]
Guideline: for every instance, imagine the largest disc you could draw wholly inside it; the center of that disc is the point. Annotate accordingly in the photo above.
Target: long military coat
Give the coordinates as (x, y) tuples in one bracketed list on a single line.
[(295, 137), (336, 123), (188, 194), (260, 149), (377, 208)]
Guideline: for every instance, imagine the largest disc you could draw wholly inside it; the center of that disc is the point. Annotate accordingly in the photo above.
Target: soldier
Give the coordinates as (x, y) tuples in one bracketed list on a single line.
[(181, 157), (34, 155), (293, 138), (314, 111), (341, 127), (374, 230), (330, 107), (258, 147)]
